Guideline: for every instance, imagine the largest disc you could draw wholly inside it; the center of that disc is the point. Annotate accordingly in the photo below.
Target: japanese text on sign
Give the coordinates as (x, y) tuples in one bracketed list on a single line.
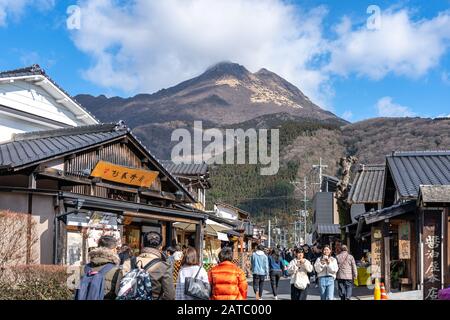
[(432, 254), (125, 175)]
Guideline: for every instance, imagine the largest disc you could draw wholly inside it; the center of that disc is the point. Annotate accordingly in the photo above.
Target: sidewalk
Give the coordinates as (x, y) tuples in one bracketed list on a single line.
[(359, 293)]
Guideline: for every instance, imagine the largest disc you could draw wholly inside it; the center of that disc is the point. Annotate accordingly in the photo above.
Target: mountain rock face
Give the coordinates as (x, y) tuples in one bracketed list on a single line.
[(225, 94), (229, 96)]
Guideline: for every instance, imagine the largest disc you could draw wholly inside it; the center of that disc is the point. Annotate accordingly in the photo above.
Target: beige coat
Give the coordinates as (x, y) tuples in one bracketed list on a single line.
[(347, 266)]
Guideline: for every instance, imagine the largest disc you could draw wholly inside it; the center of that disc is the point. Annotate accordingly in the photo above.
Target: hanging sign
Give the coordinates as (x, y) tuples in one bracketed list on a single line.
[(121, 174), (404, 240), (432, 255)]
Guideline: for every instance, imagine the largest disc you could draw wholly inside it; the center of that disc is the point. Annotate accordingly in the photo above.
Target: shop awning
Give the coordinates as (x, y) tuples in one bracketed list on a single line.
[(79, 201), (212, 227), (389, 212), (222, 236)]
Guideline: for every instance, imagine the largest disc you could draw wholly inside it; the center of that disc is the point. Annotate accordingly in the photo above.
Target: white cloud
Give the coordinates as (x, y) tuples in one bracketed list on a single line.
[(347, 115), (148, 45), (15, 8), (400, 46), (387, 108), (143, 46)]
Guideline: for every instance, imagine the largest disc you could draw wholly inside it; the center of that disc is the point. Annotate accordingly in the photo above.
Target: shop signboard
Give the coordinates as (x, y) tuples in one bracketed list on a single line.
[(376, 243), (432, 253), (103, 220), (404, 240), (80, 219), (125, 175)]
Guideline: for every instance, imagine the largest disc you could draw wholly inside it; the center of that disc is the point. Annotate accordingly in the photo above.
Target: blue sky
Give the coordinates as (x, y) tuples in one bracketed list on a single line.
[(124, 48)]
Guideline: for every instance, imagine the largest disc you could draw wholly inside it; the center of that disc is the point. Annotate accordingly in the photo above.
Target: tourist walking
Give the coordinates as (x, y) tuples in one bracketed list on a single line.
[(190, 268), (103, 267), (347, 273), (298, 269), (227, 280), (326, 267), (161, 271), (275, 270), (260, 270)]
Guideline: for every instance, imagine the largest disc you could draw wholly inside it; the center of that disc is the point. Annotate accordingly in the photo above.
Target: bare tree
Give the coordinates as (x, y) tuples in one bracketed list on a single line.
[(17, 237), (343, 188)]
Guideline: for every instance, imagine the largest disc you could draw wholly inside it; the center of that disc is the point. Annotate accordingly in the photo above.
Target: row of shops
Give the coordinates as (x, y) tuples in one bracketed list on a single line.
[(79, 183), (403, 232)]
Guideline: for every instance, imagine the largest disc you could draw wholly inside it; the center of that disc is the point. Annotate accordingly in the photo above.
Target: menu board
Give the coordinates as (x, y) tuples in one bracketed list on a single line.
[(432, 251), (404, 240), (376, 246)]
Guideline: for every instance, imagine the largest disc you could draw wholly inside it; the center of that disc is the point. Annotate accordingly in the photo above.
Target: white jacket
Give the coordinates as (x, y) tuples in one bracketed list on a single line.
[(293, 268), (326, 269)]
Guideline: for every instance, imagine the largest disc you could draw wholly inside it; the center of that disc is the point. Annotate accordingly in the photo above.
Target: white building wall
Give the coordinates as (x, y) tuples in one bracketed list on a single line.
[(29, 97), (10, 124)]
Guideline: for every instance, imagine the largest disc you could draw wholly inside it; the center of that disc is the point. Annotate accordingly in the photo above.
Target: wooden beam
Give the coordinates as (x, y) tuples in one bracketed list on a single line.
[(155, 216)]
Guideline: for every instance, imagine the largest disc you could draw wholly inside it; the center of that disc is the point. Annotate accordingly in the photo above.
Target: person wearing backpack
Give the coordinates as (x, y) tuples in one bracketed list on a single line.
[(347, 273), (190, 268), (161, 271), (101, 276)]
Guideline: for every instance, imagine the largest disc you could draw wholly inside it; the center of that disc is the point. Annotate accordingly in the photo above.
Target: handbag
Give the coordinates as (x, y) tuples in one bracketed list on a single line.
[(196, 288), (301, 280)]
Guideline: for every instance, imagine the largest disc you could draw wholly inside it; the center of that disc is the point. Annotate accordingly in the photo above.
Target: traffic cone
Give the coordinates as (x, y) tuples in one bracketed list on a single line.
[(376, 290), (384, 296)]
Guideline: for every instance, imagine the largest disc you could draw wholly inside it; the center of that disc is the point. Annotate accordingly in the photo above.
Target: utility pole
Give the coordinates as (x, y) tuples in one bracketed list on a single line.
[(304, 211), (304, 208), (320, 166)]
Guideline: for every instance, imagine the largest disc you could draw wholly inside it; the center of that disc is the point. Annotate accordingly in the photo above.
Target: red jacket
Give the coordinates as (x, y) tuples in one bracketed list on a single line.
[(228, 282)]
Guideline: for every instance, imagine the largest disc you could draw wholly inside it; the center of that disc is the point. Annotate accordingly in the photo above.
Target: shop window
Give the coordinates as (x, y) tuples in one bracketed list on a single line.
[(74, 248)]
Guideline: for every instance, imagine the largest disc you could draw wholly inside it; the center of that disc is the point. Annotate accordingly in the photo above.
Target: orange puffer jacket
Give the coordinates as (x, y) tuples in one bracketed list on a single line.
[(228, 282)]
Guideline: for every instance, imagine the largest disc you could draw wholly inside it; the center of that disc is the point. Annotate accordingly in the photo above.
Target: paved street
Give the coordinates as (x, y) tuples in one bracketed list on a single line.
[(284, 291)]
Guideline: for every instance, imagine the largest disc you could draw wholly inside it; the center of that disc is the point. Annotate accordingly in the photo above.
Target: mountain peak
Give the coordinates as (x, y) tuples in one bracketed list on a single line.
[(227, 68)]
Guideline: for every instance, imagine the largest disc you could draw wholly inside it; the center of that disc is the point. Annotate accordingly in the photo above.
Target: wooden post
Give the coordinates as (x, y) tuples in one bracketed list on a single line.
[(199, 239), (169, 233), (241, 243), (387, 256)]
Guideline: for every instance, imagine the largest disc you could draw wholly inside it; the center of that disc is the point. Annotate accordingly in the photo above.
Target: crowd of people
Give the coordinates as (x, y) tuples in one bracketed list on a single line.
[(305, 266)]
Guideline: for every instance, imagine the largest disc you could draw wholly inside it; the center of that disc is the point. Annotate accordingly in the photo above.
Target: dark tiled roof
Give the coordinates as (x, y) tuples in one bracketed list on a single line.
[(323, 228), (389, 212), (36, 70), (188, 169), (368, 185), (32, 147), (409, 170)]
